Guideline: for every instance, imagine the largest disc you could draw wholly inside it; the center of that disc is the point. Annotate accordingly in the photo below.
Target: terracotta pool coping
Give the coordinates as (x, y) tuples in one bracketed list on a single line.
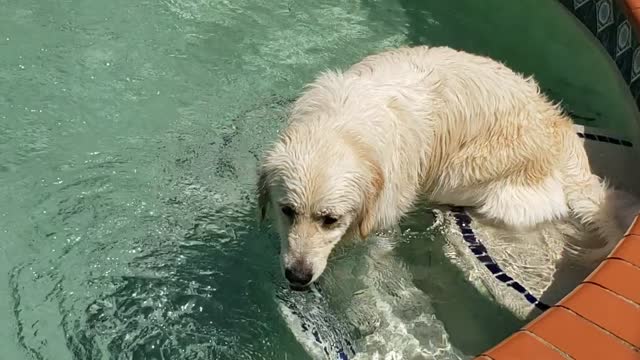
[(600, 319)]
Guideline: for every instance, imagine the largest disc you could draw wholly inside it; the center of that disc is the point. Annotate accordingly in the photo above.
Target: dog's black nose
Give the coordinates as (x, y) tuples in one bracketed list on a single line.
[(298, 276)]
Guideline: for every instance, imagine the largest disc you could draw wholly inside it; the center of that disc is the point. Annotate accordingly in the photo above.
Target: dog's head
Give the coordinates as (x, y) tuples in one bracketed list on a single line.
[(319, 188)]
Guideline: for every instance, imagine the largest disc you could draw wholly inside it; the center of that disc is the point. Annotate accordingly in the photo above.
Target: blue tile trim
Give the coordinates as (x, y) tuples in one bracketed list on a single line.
[(606, 139), (480, 252), (308, 328)]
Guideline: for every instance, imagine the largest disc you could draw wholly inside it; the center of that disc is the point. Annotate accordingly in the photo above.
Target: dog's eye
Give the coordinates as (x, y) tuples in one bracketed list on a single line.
[(288, 211), (329, 220)]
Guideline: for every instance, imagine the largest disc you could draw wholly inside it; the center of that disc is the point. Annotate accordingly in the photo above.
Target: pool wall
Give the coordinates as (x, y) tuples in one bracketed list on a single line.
[(615, 23), (599, 319)]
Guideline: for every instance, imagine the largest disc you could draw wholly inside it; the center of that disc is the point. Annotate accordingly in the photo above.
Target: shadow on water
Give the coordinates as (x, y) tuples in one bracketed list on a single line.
[(465, 312), (508, 32)]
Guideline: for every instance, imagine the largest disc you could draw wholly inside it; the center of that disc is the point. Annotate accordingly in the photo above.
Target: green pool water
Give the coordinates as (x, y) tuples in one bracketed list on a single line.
[(129, 132)]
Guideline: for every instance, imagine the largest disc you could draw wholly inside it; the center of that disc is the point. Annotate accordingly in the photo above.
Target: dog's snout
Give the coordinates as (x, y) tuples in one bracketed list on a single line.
[(298, 275)]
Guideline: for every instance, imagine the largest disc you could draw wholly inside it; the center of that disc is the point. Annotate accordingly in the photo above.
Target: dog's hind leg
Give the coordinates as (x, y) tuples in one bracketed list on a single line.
[(601, 209), (523, 206)]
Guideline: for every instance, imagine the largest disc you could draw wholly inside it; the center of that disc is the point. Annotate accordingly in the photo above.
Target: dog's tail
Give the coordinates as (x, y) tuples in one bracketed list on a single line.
[(602, 210)]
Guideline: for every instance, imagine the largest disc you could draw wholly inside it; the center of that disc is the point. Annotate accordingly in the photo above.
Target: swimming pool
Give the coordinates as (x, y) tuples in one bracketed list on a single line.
[(129, 132)]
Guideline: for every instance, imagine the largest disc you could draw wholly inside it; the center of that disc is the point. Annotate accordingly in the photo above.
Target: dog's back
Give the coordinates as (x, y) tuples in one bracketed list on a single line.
[(489, 138)]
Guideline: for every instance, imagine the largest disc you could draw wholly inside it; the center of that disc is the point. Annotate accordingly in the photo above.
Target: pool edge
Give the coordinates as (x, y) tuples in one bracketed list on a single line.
[(599, 319)]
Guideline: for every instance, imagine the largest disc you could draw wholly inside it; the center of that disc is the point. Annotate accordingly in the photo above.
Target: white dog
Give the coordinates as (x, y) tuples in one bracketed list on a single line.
[(455, 128)]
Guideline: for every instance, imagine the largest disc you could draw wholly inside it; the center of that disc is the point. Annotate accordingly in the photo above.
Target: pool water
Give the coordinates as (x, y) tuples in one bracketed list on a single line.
[(129, 133)]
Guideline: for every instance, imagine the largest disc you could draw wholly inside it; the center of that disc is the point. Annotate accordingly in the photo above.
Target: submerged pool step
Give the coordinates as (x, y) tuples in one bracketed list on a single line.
[(600, 319)]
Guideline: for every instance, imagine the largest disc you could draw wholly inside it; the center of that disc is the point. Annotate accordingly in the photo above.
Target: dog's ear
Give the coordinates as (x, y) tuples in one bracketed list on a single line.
[(368, 216), (263, 194)]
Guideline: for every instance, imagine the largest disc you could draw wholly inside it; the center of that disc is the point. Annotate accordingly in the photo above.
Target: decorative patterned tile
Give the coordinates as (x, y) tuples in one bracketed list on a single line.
[(586, 13), (607, 37), (609, 24), (579, 3), (635, 64), (623, 37), (604, 14)]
